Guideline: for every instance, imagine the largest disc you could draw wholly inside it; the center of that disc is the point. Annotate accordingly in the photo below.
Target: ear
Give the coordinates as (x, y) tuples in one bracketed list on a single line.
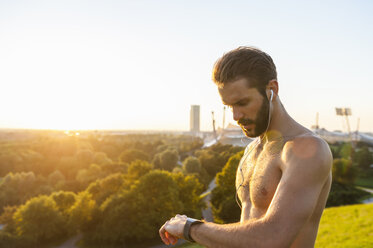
[(272, 85)]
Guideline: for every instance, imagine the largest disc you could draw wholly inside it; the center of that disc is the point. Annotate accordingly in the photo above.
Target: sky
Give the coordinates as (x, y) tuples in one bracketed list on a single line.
[(140, 65)]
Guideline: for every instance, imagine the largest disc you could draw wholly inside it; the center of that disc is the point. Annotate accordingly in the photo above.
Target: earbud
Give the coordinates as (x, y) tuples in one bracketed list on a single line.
[(270, 99)]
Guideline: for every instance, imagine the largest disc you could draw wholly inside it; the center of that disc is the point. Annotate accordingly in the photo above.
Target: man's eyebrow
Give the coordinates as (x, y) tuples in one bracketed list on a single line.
[(237, 102)]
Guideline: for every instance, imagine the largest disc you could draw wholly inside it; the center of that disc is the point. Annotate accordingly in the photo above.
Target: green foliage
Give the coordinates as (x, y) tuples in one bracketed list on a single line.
[(166, 160), (101, 158), (344, 171), (190, 190), (69, 166), (84, 156), (39, 220), (224, 206), (16, 188), (91, 164), (139, 212), (137, 169), (363, 158), (86, 176), (344, 194), (81, 212), (346, 227), (346, 151), (64, 200), (211, 161), (10, 240), (191, 165), (56, 179), (215, 157), (7, 218), (131, 155), (365, 180), (104, 188)]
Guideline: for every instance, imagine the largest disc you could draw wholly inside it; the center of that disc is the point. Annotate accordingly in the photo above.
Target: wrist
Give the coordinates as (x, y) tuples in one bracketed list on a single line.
[(189, 226), (193, 233)]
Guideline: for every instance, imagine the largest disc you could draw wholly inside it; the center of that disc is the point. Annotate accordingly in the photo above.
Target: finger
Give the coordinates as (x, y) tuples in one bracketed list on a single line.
[(174, 241), (172, 238), (163, 235)]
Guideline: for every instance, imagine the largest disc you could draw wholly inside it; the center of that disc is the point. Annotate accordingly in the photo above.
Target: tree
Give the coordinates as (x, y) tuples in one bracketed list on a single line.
[(166, 160), (138, 168), (363, 158), (85, 157), (81, 213), (225, 208), (64, 201), (211, 161), (40, 220), (104, 188), (190, 190), (89, 175), (191, 165), (346, 151), (343, 171), (344, 194), (132, 154), (16, 188), (56, 178), (6, 218), (153, 199), (101, 158)]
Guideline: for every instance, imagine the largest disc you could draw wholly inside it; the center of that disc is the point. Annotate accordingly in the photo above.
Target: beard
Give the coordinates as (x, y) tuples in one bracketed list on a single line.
[(261, 122)]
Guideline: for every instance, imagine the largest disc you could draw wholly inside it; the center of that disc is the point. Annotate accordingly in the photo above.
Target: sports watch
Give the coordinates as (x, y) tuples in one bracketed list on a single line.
[(190, 222)]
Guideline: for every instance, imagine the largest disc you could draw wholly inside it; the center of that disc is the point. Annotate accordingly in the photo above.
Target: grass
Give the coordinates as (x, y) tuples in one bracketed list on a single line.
[(341, 227), (347, 227), (364, 179), (366, 182)]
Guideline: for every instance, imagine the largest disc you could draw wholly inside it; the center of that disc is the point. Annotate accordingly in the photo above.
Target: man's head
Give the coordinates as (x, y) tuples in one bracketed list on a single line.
[(244, 77)]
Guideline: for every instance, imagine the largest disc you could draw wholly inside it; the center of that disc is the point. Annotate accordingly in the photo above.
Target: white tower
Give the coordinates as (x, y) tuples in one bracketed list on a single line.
[(194, 118)]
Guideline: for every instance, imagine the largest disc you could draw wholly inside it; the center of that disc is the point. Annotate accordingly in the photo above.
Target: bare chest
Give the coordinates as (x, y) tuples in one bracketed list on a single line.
[(258, 176)]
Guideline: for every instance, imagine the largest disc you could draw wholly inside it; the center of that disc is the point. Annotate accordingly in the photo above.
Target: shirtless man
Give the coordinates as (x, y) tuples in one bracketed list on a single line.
[(284, 176)]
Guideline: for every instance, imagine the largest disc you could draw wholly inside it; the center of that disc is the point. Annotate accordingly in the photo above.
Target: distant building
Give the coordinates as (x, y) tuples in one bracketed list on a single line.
[(230, 135), (194, 118)]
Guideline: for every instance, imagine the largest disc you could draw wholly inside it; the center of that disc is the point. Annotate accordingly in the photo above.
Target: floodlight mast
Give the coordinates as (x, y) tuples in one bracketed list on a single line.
[(345, 112), (213, 125)]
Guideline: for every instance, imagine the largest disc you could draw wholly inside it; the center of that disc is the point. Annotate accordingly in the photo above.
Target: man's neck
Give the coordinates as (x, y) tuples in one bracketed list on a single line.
[(281, 125)]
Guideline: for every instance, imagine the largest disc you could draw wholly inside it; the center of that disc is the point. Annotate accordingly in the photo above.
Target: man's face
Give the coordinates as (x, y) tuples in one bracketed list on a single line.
[(249, 107)]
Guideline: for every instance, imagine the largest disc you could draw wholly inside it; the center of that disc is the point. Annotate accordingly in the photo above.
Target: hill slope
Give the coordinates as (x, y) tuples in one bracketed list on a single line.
[(347, 227)]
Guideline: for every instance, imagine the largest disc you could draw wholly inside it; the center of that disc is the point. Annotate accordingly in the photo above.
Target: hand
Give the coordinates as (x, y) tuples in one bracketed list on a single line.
[(173, 229)]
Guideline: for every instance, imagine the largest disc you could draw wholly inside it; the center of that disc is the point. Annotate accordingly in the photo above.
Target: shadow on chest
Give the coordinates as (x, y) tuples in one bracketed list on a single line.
[(259, 177)]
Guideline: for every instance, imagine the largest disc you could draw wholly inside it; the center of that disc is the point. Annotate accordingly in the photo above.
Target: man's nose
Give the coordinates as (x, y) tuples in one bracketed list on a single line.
[(237, 114)]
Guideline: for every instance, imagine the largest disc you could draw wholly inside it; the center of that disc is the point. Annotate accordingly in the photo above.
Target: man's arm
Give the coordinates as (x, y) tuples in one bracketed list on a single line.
[(306, 167)]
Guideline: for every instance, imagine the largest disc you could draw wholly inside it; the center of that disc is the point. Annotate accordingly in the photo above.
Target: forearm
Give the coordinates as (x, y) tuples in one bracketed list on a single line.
[(251, 234)]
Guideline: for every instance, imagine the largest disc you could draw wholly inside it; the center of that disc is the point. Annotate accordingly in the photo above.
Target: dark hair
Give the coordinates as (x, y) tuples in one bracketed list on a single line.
[(245, 62)]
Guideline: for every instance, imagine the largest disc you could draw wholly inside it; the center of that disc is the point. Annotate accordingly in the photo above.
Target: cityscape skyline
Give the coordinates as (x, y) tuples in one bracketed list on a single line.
[(140, 65)]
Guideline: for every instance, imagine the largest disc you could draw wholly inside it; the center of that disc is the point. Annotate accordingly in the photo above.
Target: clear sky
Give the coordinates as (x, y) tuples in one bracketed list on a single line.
[(141, 64)]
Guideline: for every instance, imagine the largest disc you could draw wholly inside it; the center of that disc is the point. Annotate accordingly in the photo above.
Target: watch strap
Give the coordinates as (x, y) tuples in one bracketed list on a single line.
[(187, 226)]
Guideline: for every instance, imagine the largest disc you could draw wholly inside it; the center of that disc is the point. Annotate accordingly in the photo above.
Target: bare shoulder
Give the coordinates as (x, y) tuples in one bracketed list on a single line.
[(309, 152)]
